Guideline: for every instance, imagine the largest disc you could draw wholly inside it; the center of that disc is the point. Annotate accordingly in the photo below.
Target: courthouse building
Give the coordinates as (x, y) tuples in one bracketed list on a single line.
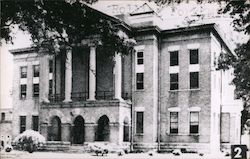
[(168, 94)]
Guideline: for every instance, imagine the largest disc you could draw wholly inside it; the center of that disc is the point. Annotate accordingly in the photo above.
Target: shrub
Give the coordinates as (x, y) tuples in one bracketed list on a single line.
[(8, 149), (29, 140)]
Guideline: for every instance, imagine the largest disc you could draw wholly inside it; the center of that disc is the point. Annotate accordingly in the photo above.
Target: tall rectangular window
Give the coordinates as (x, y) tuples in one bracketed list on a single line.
[(194, 80), (139, 122), (2, 116), (23, 71), (50, 66), (23, 91), (139, 81), (174, 58), (140, 58), (174, 122), (50, 86), (36, 71), (194, 56), (174, 81), (22, 123), (194, 122), (35, 123), (35, 90)]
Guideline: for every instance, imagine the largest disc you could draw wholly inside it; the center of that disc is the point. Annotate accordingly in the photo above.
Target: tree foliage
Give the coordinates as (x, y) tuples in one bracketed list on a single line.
[(57, 25)]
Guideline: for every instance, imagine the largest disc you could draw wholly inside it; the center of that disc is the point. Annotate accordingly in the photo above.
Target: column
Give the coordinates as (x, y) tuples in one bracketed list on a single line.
[(68, 76), (44, 130), (44, 82), (118, 76), (92, 73), (90, 131), (115, 133), (66, 130)]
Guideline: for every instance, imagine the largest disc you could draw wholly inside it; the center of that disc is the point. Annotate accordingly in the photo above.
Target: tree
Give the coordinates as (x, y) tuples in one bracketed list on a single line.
[(57, 25)]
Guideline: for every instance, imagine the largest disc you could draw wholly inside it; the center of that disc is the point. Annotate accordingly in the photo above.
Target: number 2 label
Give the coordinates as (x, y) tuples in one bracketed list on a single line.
[(238, 151)]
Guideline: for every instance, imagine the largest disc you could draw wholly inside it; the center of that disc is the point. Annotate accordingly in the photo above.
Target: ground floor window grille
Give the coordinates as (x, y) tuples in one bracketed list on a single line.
[(194, 122), (22, 123), (174, 122)]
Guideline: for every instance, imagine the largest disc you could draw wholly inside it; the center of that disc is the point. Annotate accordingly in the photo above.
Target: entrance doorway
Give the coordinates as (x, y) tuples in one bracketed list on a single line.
[(78, 130), (103, 130), (55, 129)]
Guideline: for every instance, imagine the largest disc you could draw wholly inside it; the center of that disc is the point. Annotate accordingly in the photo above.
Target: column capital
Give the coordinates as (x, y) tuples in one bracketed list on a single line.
[(92, 41)]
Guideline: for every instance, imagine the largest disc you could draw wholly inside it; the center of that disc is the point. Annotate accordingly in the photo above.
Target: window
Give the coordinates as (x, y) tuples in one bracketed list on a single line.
[(194, 122), (174, 81), (35, 122), (194, 56), (174, 59), (2, 116), (194, 80), (23, 70), (139, 122), (140, 58), (35, 90), (22, 123), (50, 66), (174, 122), (139, 81), (23, 91), (50, 86), (36, 71)]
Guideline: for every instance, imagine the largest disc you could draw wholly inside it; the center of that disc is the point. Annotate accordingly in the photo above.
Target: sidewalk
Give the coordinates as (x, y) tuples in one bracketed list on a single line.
[(62, 155)]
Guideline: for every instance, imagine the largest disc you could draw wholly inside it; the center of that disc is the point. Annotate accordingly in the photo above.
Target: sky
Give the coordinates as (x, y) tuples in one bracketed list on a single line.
[(173, 16)]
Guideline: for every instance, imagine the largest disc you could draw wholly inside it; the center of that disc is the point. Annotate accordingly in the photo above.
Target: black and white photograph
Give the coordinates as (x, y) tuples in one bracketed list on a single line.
[(129, 79)]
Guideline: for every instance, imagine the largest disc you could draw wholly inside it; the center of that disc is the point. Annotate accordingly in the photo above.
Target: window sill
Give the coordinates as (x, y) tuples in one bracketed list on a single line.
[(172, 134), (139, 134), (197, 134), (140, 90), (183, 90)]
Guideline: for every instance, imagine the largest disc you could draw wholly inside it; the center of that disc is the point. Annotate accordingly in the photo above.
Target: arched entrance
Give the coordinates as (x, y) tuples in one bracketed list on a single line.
[(103, 129), (55, 129), (78, 130), (126, 130)]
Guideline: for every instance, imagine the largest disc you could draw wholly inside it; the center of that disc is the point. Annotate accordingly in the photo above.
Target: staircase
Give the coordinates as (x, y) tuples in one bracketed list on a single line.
[(77, 148)]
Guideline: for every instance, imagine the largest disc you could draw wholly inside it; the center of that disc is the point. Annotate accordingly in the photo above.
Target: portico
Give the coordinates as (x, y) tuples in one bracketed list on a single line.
[(73, 77)]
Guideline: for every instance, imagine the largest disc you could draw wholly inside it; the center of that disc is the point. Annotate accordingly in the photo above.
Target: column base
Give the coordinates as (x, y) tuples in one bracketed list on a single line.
[(119, 98), (67, 100), (45, 100)]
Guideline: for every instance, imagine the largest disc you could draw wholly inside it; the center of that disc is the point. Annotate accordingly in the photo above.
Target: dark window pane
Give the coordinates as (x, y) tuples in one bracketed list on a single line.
[(35, 90), (35, 122), (139, 58), (139, 81), (22, 123), (23, 91), (50, 66), (194, 56), (194, 80), (139, 122), (23, 71), (36, 71), (174, 59), (173, 122), (174, 81)]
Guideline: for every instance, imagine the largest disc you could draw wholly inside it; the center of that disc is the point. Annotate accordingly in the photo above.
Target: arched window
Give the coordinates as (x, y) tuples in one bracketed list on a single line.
[(103, 130), (78, 130), (126, 130)]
